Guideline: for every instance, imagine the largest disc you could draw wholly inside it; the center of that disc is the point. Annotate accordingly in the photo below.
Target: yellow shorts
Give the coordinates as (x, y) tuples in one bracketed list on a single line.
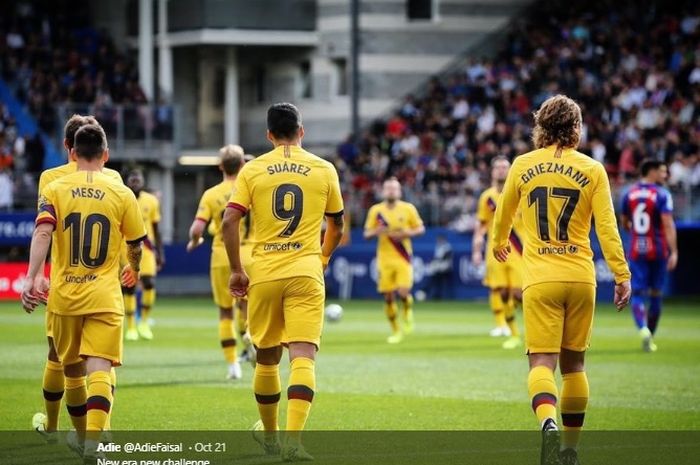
[(219, 286), (49, 323), (507, 275), (394, 275), (286, 310), (558, 315), (148, 262), (90, 335)]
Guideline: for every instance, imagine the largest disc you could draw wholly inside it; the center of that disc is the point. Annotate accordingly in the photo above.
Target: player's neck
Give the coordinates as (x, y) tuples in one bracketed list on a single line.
[(291, 143), (498, 185), (229, 177), (646, 181), (391, 203), (89, 165)]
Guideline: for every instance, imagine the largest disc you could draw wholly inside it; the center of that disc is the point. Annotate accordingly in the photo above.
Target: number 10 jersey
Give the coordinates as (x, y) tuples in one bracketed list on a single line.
[(92, 214), (288, 191), (559, 193)]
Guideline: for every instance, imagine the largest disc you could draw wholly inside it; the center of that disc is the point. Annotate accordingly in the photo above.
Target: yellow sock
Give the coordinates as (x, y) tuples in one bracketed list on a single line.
[(510, 317), (267, 388), (99, 403), (300, 393), (574, 400), (241, 323), (52, 385), (76, 403), (113, 382), (407, 308), (543, 392), (130, 310), (148, 298), (391, 311), (496, 304), (228, 340)]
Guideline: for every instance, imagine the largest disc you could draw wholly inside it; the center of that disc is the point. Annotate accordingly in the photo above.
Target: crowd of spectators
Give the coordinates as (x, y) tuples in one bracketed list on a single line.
[(633, 66)]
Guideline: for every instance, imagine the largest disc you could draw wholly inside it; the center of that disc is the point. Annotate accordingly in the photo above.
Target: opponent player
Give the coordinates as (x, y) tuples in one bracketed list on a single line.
[(89, 216), (394, 222), (503, 279), (288, 191), (560, 192), (56, 382), (152, 261), (647, 213), (211, 209)]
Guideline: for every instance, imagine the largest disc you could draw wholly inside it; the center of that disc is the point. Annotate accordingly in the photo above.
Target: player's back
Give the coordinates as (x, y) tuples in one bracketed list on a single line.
[(214, 202), (557, 202), (51, 174), (644, 204), (92, 214), (288, 190), (150, 210)]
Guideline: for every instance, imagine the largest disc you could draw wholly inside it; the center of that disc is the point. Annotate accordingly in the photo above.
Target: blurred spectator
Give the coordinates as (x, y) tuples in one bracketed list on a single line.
[(6, 190)]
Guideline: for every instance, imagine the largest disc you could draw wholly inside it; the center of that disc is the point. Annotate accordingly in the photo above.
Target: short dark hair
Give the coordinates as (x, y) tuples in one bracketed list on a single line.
[(649, 164), (283, 120), (74, 123), (90, 142)]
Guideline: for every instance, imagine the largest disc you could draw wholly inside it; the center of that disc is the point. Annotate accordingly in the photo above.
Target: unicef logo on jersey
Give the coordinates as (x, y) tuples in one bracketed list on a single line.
[(573, 248)]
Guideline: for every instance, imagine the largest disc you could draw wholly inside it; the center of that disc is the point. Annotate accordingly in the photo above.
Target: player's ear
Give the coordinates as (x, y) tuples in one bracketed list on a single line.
[(72, 156), (269, 136), (301, 133), (105, 156), (65, 145)]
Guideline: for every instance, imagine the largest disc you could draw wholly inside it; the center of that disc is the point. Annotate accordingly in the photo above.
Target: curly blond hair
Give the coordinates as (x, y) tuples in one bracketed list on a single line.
[(557, 122)]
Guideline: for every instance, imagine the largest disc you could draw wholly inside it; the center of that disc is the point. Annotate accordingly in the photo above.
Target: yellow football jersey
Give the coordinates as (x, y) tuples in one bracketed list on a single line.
[(486, 211), (150, 211), (69, 168), (402, 216), (211, 210), (92, 216), (558, 197), (288, 191)]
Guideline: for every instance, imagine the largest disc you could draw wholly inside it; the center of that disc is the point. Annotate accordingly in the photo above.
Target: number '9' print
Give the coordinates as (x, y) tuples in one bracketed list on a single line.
[(288, 205)]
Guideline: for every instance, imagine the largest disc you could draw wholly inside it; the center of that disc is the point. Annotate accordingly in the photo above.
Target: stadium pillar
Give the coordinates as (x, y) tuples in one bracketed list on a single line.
[(168, 208), (231, 120), (355, 67), (146, 47), (165, 54)]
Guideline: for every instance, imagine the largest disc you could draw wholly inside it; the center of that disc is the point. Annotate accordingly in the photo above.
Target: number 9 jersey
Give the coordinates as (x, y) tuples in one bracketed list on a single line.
[(92, 215), (288, 191), (559, 193)]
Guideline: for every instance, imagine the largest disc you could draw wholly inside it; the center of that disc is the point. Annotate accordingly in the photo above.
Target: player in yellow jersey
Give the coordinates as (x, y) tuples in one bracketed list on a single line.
[(153, 259), (88, 216), (503, 279), (55, 381), (288, 191), (394, 222), (560, 192), (211, 210)]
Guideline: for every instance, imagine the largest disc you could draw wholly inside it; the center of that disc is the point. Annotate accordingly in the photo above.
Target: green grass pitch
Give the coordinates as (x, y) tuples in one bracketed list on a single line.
[(449, 375)]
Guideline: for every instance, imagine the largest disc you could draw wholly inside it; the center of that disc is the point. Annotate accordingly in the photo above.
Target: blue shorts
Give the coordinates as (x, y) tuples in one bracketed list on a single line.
[(648, 275)]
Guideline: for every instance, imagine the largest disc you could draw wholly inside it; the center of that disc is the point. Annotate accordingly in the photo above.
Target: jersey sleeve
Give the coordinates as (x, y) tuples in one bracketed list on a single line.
[(666, 203), (204, 211), (414, 219), (46, 210), (606, 227), (155, 215), (507, 206), (241, 197), (133, 228), (334, 205), (626, 204), (483, 212), (113, 174), (371, 221)]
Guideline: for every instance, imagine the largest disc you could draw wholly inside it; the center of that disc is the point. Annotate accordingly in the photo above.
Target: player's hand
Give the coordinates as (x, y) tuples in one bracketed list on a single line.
[(35, 292), (672, 261), (501, 253), (238, 284), (477, 257), (194, 243), (623, 291), (129, 277), (160, 261), (398, 235)]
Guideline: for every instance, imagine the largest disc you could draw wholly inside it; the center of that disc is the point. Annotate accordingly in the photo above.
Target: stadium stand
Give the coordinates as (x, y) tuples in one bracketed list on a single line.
[(636, 77)]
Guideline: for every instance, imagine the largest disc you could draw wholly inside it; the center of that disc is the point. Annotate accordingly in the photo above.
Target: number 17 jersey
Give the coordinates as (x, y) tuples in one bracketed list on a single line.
[(92, 216), (288, 191), (559, 194)]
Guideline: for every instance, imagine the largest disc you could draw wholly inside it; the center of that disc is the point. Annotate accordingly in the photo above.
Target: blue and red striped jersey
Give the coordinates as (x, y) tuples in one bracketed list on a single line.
[(644, 204)]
